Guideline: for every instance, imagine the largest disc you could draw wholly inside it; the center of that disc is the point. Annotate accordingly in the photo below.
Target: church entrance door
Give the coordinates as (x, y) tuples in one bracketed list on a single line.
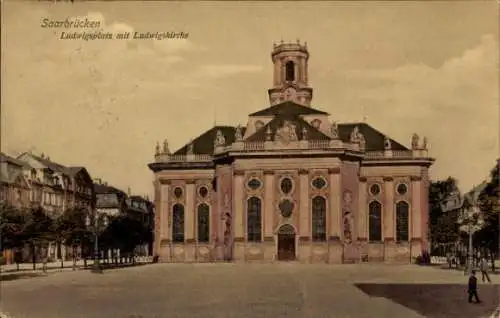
[(286, 243)]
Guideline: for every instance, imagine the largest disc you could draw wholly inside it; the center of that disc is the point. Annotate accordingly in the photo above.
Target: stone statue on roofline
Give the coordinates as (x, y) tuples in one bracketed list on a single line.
[(220, 140), (362, 141), (355, 135), (268, 133), (335, 130), (387, 143), (190, 148), (424, 143), (414, 141), (157, 150), (304, 133), (166, 150), (238, 136)]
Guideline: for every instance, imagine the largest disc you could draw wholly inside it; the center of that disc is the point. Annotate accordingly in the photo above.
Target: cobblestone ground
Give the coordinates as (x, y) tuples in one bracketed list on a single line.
[(249, 290)]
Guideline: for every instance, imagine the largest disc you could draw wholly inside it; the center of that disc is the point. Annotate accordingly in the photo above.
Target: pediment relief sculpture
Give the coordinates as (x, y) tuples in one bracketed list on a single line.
[(286, 133)]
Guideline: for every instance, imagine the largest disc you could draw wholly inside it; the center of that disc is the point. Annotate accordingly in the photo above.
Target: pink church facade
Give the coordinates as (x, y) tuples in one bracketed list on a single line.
[(292, 185)]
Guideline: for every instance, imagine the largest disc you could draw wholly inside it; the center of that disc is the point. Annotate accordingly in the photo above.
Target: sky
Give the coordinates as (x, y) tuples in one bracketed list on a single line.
[(425, 67)]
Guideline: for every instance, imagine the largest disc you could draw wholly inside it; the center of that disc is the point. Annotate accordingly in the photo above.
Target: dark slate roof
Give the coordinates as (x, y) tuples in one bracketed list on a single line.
[(103, 189), (74, 170), (52, 165), (277, 122), (288, 108), (6, 158), (204, 144), (374, 138)]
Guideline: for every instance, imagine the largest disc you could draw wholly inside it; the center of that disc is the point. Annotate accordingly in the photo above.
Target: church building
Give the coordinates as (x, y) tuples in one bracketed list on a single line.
[(292, 184)]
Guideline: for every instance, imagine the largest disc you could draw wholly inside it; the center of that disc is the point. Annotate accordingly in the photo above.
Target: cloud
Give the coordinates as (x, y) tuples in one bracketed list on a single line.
[(224, 70), (456, 105)]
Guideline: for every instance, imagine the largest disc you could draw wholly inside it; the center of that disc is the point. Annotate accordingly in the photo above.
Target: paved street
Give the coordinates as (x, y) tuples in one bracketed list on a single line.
[(249, 290)]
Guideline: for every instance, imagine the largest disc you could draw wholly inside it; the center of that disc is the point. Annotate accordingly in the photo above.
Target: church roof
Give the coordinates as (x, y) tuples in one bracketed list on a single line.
[(204, 143), (374, 138), (288, 108), (278, 122)]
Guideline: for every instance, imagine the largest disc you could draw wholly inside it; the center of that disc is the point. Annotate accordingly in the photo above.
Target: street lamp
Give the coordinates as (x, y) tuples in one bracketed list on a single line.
[(471, 223), (96, 266)]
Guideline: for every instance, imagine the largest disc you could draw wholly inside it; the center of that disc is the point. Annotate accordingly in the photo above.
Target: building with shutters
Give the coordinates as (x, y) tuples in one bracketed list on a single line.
[(291, 184)]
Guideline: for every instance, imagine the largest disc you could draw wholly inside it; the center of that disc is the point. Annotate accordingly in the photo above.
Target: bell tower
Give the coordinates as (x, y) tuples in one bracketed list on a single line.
[(290, 74)]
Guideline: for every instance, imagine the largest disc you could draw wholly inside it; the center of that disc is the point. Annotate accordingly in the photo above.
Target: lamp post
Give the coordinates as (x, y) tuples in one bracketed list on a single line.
[(471, 222), (96, 266)]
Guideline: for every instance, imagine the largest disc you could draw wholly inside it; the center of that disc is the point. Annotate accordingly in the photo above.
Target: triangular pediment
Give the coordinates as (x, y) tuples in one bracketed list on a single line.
[(287, 128), (288, 108)]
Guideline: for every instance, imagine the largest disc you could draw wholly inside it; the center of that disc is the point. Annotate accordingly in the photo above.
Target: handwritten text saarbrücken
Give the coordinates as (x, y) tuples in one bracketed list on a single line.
[(70, 23)]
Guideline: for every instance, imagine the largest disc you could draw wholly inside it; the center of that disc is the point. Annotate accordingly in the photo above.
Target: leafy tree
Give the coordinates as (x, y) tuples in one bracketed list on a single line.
[(443, 227), (447, 228), (489, 203), (70, 229), (124, 233), (38, 232), (11, 229)]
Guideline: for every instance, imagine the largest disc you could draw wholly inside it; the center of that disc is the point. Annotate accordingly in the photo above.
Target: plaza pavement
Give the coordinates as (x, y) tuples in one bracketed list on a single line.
[(249, 290)]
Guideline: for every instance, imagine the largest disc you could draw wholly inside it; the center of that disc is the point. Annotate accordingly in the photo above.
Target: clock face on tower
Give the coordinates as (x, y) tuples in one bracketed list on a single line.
[(290, 93)]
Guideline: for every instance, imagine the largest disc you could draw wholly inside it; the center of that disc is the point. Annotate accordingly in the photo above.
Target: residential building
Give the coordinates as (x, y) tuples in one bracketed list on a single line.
[(56, 188), (292, 185), (112, 202), (143, 209), (14, 187)]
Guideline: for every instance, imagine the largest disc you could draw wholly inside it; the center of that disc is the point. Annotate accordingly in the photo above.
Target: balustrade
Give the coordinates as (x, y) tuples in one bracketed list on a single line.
[(311, 144)]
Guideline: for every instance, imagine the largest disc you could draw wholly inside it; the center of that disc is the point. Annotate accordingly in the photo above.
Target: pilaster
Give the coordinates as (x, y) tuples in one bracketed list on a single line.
[(269, 208), (333, 228), (416, 209), (190, 211), (388, 210), (238, 204), (304, 212), (165, 221), (424, 206), (362, 210)]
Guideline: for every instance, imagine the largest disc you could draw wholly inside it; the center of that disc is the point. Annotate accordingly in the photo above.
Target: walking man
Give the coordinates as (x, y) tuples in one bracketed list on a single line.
[(484, 270), (472, 290)]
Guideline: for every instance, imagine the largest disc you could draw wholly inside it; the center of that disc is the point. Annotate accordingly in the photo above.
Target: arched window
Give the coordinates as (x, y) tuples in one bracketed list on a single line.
[(402, 211), (203, 223), (318, 219), (290, 71), (178, 223), (375, 221), (254, 223)]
